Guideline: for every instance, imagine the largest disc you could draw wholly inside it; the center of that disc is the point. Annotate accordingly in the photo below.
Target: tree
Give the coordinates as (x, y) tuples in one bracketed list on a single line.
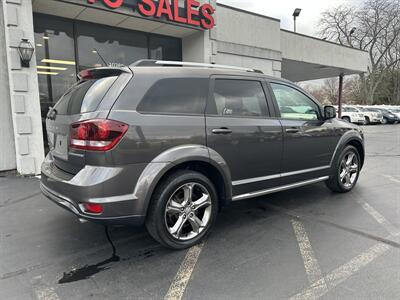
[(376, 25), (328, 91)]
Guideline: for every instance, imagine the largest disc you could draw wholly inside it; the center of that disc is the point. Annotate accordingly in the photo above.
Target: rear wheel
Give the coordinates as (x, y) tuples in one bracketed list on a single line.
[(345, 171), (367, 121), (384, 121), (183, 210)]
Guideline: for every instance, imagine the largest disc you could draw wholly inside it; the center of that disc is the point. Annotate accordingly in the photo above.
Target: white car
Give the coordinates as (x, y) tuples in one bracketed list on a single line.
[(352, 115), (371, 117)]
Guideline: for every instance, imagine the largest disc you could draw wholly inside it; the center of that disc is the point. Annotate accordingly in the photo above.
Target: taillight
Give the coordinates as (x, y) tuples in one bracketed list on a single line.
[(96, 135)]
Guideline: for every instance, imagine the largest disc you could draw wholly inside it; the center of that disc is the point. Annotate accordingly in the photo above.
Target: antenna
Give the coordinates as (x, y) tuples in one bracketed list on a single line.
[(101, 57)]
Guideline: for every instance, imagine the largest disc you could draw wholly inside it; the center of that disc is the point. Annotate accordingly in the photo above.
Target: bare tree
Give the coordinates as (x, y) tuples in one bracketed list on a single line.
[(377, 31), (327, 92)]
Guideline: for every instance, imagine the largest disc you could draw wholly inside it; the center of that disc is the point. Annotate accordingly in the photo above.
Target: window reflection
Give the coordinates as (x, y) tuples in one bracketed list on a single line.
[(115, 46), (55, 58), (165, 48)]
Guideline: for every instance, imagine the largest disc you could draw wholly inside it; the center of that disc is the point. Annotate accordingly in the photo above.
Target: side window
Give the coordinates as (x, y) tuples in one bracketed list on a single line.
[(294, 105), (176, 96), (238, 98)]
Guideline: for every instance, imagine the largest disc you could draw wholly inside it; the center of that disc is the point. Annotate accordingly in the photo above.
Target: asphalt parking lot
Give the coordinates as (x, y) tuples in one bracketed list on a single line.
[(302, 244)]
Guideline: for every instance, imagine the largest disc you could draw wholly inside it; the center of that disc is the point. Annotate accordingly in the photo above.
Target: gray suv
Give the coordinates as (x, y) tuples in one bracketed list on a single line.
[(168, 144)]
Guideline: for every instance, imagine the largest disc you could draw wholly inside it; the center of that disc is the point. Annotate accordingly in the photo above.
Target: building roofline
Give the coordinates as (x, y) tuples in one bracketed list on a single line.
[(248, 12), (321, 40)]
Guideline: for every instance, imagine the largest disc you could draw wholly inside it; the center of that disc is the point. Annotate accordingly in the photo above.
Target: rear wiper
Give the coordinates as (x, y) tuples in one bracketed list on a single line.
[(51, 115)]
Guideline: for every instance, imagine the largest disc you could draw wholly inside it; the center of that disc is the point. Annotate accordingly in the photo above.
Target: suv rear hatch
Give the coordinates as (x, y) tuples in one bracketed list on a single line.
[(89, 99)]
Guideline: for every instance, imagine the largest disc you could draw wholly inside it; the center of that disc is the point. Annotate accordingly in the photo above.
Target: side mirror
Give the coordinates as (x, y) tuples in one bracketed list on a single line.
[(329, 112)]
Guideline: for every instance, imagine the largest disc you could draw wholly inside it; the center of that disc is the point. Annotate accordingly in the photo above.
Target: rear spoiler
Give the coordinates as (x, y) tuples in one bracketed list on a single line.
[(98, 73)]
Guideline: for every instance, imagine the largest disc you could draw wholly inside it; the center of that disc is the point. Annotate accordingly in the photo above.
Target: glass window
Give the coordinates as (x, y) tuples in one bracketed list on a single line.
[(165, 48), (293, 104), (55, 57), (176, 96), (243, 98), (84, 96), (116, 46)]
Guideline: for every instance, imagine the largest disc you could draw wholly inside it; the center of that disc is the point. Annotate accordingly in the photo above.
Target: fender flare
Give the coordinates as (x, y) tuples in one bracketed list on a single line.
[(173, 157), (347, 137)]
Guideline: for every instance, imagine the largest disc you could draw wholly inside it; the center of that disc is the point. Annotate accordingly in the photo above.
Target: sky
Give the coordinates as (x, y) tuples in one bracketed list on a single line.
[(283, 10)]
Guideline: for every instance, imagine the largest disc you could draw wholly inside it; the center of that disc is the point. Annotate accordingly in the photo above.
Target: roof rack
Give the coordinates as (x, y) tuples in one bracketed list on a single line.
[(160, 63)]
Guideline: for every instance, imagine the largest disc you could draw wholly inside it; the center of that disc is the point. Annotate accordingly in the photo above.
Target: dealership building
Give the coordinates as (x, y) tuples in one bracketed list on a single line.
[(69, 36)]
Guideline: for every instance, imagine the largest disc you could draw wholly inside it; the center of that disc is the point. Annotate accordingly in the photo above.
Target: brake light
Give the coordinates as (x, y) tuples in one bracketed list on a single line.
[(96, 135)]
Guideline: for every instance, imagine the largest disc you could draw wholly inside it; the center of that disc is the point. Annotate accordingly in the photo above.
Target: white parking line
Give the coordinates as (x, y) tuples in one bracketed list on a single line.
[(392, 178), (178, 285), (342, 273), (389, 227), (43, 292), (310, 262), (314, 274), (46, 293)]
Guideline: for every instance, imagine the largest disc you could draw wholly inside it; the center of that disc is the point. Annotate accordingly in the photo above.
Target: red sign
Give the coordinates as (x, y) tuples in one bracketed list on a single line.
[(192, 14)]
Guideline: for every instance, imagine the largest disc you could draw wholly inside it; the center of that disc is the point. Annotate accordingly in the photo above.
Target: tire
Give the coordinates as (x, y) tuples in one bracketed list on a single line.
[(384, 121), (367, 121), (177, 227), (352, 171), (347, 119)]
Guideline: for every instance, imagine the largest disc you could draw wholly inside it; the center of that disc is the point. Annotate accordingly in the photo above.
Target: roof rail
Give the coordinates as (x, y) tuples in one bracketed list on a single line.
[(160, 63)]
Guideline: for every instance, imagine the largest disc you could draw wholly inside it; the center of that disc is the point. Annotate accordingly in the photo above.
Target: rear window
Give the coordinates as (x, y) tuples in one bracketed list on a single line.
[(84, 97), (176, 96)]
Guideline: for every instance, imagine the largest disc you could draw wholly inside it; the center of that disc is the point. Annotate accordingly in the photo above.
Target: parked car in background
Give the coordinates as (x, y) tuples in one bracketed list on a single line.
[(371, 117), (168, 146), (395, 111), (388, 117), (352, 115)]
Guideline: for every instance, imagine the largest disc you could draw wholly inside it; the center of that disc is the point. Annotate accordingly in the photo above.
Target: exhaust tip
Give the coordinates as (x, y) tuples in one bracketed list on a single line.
[(81, 220)]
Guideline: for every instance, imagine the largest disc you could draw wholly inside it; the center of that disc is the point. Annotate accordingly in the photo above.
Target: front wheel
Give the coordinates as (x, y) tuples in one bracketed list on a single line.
[(183, 210), (345, 171), (384, 121)]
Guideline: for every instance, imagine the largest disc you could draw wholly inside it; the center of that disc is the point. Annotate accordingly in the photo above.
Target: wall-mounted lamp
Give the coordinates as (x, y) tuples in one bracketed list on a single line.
[(25, 50)]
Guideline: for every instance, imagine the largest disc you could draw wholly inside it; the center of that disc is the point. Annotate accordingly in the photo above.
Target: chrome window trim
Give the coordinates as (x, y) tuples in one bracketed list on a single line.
[(279, 188), (276, 176)]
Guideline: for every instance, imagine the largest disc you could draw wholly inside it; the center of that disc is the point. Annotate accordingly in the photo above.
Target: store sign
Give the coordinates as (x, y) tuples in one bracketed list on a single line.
[(192, 13)]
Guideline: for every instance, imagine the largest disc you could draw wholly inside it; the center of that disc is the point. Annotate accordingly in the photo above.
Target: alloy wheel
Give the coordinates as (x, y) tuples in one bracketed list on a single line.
[(348, 170), (188, 211)]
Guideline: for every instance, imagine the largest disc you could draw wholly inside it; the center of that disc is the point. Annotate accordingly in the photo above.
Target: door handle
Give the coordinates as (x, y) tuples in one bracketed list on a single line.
[(222, 130), (292, 130)]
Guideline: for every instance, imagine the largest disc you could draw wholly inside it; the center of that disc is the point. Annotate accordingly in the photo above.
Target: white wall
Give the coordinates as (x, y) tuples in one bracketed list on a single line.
[(248, 40), (194, 47), (302, 48), (7, 146), (23, 88), (248, 29)]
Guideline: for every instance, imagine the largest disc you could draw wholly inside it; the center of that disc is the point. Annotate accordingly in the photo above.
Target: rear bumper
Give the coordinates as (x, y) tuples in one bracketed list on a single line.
[(358, 120), (72, 207), (376, 120), (111, 187)]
